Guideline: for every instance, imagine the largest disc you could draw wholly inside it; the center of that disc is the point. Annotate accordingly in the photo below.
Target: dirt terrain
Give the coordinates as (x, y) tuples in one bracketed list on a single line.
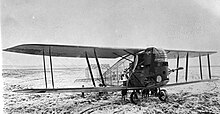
[(195, 98)]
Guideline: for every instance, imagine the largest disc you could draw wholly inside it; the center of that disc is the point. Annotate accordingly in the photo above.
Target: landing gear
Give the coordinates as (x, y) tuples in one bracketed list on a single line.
[(145, 93), (163, 95), (134, 97), (160, 93)]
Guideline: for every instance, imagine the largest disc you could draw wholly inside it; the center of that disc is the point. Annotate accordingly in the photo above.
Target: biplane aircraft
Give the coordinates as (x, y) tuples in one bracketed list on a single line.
[(147, 73)]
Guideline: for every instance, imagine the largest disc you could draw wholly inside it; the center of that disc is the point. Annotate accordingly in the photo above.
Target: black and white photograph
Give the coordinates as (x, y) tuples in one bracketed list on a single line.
[(110, 56)]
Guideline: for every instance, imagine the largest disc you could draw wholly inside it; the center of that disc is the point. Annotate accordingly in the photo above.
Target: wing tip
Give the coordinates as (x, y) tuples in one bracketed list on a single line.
[(5, 49), (214, 52), (9, 49)]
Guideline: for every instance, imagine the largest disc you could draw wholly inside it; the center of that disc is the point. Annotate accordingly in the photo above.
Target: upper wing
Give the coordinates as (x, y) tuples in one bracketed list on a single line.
[(71, 51), (102, 52), (172, 54)]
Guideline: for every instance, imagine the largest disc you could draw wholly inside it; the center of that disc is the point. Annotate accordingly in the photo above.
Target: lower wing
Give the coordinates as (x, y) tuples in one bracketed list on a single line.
[(103, 89), (86, 89), (184, 83)]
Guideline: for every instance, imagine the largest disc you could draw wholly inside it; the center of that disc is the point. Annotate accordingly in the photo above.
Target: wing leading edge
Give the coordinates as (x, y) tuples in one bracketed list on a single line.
[(71, 51), (102, 52), (65, 90), (103, 89)]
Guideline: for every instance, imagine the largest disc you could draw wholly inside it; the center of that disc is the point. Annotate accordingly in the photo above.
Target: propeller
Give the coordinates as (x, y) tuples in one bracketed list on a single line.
[(173, 70)]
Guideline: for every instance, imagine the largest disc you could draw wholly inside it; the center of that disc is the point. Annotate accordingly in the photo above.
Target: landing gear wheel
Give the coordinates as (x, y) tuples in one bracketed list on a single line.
[(134, 97), (163, 95)]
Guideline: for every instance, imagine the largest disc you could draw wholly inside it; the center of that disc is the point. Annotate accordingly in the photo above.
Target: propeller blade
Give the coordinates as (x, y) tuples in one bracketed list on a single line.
[(173, 70)]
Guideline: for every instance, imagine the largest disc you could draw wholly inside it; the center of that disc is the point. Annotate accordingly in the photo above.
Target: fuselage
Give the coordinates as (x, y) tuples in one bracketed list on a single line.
[(149, 67)]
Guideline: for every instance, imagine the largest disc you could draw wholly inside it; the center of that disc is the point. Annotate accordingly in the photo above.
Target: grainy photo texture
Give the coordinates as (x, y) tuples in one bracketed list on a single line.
[(110, 56)]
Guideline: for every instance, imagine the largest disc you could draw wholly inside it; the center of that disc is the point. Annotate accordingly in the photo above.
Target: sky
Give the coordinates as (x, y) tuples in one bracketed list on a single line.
[(168, 24)]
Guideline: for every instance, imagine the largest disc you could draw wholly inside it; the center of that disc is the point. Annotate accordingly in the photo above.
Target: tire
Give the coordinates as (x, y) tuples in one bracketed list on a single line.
[(163, 95), (134, 98)]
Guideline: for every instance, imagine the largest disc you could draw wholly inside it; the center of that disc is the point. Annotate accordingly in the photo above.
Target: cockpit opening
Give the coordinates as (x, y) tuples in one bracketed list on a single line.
[(151, 56), (159, 54)]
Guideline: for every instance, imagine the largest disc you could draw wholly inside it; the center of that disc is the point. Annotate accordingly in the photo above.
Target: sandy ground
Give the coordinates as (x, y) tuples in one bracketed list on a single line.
[(194, 98)]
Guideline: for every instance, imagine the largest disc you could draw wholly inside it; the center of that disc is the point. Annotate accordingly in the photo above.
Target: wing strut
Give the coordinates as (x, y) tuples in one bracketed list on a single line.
[(45, 73), (51, 68), (187, 57), (177, 66), (209, 66), (100, 71), (130, 53), (90, 70), (200, 66), (122, 57)]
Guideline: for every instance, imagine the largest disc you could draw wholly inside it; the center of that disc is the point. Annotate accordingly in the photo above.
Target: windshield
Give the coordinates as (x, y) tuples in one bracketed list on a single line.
[(160, 54)]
